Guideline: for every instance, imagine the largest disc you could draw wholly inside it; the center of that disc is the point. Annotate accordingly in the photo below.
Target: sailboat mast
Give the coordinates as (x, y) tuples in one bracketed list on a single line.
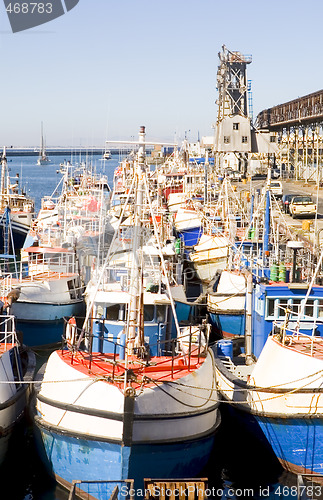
[(3, 177), (41, 153)]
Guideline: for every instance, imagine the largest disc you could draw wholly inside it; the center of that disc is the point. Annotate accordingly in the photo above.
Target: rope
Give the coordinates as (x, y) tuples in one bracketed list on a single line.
[(205, 401)]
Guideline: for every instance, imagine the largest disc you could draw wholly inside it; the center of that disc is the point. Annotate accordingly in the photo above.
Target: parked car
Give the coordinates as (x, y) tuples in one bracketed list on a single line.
[(302, 205), (286, 199), (276, 188)]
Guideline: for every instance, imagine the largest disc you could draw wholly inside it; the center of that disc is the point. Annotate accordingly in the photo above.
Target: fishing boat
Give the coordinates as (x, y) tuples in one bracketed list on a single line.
[(16, 211), (47, 288), (77, 217), (274, 384), (209, 255), (188, 224), (43, 159), (279, 398), (17, 367), (226, 303), (134, 396)]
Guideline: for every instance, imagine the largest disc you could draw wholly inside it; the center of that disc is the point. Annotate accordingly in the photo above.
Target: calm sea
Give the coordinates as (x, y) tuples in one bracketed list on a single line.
[(239, 467)]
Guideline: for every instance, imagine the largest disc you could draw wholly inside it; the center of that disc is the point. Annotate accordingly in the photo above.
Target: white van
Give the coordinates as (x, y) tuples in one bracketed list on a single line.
[(276, 188)]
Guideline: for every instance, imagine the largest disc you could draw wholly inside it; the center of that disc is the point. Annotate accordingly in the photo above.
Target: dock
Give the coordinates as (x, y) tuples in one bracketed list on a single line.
[(61, 151)]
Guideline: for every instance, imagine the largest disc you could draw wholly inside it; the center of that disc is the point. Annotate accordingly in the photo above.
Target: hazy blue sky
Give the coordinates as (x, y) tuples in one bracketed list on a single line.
[(109, 66)]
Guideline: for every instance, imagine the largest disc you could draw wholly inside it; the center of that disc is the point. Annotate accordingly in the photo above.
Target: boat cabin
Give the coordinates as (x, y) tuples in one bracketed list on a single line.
[(270, 302)]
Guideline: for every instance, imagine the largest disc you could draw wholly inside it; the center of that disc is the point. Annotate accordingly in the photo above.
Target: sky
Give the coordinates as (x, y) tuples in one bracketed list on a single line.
[(109, 66)]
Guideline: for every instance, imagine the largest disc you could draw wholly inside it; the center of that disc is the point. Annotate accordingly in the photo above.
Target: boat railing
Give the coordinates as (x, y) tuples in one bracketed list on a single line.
[(308, 484), (89, 223), (69, 230), (6, 285), (152, 278), (111, 490), (188, 348), (7, 330), (41, 268), (40, 262), (290, 328)]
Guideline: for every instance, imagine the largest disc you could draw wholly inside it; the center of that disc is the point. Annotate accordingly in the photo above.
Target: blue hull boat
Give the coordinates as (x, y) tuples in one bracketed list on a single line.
[(76, 457)]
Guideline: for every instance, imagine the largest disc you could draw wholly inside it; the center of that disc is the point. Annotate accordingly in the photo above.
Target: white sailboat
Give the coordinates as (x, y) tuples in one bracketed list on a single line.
[(43, 158)]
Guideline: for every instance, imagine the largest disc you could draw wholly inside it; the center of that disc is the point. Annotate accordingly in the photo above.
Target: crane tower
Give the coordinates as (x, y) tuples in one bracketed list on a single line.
[(233, 126)]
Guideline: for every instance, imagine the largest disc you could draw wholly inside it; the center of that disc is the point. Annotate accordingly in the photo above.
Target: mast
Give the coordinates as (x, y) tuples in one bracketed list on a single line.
[(41, 152), (3, 177), (136, 291)]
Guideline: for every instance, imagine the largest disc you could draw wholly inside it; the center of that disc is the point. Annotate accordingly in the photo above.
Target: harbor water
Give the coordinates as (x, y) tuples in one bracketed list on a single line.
[(240, 466)]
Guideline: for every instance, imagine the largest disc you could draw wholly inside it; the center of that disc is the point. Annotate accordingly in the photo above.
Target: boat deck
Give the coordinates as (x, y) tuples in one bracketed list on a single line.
[(47, 275), (311, 346), (157, 370), (5, 346)]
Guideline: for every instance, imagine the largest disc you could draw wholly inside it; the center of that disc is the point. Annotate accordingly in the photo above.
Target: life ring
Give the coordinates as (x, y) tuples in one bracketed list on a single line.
[(190, 273), (71, 330)]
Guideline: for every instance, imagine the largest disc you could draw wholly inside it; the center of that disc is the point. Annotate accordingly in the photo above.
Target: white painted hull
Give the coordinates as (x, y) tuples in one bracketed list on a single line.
[(47, 299), (275, 385), (206, 270), (37, 312), (210, 255), (282, 401), (13, 401), (183, 410), (187, 219), (223, 303)]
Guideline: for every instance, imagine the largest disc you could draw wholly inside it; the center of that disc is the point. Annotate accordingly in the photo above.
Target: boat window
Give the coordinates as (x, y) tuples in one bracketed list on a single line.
[(282, 307), (160, 314), (112, 312), (309, 308), (270, 307), (320, 308), (149, 312), (295, 307)]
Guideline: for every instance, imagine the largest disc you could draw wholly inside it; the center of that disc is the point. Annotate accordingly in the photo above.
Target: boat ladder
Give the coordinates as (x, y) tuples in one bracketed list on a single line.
[(227, 362)]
